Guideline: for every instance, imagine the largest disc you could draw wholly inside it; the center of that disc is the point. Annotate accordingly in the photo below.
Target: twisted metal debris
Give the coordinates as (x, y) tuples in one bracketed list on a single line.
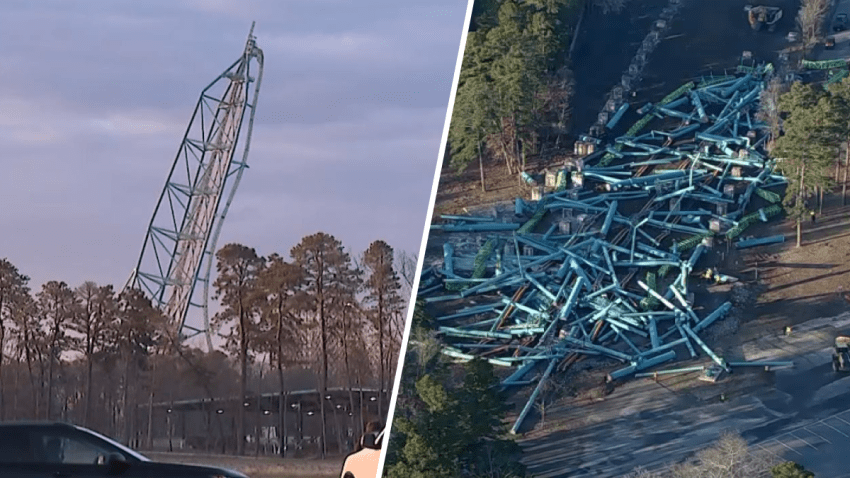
[(609, 276)]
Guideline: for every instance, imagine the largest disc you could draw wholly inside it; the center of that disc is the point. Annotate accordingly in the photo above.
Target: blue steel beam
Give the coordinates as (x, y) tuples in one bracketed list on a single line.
[(533, 398)]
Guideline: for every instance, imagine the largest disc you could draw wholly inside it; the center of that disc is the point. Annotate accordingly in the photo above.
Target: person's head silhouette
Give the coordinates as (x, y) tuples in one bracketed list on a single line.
[(372, 435)]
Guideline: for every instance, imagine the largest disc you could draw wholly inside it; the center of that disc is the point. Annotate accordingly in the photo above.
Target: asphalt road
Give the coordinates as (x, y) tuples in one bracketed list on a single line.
[(802, 417)]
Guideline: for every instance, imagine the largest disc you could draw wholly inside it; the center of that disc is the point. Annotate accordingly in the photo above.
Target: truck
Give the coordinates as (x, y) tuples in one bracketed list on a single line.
[(761, 15), (840, 23), (841, 356)]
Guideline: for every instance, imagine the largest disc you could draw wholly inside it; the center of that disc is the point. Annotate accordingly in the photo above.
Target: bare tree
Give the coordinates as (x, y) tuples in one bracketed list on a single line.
[(99, 307), (279, 281), (730, 457), (58, 305), (769, 111), (138, 328), (643, 473), (810, 20), (13, 285), (382, 289), (31, 344)]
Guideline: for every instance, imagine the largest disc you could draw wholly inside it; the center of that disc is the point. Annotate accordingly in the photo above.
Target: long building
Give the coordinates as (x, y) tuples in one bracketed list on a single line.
[(209, 425)]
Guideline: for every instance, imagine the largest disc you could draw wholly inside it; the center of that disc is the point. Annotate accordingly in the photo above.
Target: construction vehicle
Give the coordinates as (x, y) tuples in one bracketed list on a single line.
[(761, 15), (841, 357), (840, 23)]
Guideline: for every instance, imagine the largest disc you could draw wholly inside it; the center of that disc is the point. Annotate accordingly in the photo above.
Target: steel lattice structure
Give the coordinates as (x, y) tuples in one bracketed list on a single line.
[(180, 244)]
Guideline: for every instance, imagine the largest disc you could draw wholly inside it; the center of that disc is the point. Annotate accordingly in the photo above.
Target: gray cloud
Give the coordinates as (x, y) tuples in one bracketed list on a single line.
[(96, 96)]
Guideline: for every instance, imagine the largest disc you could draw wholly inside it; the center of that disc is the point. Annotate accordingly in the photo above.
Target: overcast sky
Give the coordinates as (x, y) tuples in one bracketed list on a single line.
[(95, 97)]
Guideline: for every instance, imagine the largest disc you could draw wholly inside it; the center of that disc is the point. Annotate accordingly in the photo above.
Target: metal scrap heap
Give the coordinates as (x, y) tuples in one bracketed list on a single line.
[(609, 276)]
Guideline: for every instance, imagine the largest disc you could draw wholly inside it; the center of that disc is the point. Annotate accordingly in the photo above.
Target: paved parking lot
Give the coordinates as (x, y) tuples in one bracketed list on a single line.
[(821, 446), (842, 39), (803, 416)]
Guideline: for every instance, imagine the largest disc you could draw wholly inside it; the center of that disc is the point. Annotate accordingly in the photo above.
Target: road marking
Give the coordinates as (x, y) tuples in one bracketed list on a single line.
[(786, 446), (839, 431), (822, 438)]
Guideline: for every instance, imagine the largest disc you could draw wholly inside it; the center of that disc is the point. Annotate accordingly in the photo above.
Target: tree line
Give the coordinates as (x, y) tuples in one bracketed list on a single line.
[(448, 422), (513, 91), (811, 141), (92, 355)]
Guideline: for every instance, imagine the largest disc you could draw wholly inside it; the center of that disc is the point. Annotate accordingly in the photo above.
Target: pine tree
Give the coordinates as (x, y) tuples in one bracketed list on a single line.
[(326, 267), (449, 432), (807, 147), (238, 272), (789, 469), (382, 292)]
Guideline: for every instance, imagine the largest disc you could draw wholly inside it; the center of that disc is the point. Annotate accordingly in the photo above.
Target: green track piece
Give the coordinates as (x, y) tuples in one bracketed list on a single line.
[(840, 75), (664, 270), (455, 286), (481, 258), (561, 180), (535, 219), (749, 219), (713, 81), (677, 93), (641, 123), (692, 241), (824, 65), (768, 196), (650, 302)]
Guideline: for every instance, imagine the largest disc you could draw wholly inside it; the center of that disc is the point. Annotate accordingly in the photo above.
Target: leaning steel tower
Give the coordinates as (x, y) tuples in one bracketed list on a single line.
[(179, 248)]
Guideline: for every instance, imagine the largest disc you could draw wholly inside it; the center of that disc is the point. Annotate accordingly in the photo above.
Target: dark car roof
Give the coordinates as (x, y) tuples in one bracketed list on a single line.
[(47, 424), (32, 422)]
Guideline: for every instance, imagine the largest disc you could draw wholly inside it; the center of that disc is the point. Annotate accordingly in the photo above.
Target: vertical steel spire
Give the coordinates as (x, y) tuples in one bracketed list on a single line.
[(180, 243)]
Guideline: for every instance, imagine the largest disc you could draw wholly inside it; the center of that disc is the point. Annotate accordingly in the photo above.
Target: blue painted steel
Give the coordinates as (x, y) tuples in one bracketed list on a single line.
[(572, 299), (704, 347), (533, 398), (698, 104), (671, 371), (181, 238), (519, 207), (617, 116), (448, 258), (480, 227), (722, 310), (612, 210), (743, 244), (761, 363), (737, 85), (469, 311), (451, 217), (473, 333)]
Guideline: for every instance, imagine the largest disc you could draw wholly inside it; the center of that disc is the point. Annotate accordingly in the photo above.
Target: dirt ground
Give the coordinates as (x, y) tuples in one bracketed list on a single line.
[(604, 48), (261, 467)]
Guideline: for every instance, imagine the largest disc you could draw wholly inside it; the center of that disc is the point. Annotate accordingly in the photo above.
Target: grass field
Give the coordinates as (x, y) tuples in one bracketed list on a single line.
[(260, 467)]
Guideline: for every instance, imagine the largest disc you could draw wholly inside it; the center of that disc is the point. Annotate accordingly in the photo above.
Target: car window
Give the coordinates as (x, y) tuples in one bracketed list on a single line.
[(59, 446), (15, 446)]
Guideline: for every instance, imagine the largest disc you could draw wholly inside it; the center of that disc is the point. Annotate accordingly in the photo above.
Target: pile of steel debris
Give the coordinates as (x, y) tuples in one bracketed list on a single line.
[(609, 277)]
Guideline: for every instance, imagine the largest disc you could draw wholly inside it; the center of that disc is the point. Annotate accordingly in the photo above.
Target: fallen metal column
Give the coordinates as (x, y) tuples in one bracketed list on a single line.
[(533, 397)]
